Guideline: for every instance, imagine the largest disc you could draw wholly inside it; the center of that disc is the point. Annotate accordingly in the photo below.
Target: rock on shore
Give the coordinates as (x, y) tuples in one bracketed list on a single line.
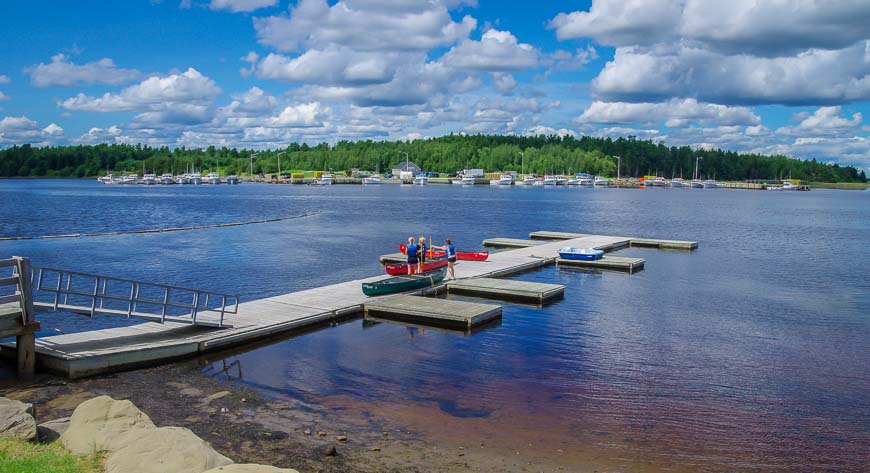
[(16, 419)]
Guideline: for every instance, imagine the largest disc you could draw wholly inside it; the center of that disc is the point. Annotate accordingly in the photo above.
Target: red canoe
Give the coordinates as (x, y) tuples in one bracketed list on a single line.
[(402, 268), (460, 255)]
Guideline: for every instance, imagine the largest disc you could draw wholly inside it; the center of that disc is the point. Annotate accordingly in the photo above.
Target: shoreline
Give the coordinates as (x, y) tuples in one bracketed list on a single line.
[(248, 426)]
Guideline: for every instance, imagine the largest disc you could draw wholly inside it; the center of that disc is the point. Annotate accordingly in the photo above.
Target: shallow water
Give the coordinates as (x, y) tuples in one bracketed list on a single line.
[(750, 353)]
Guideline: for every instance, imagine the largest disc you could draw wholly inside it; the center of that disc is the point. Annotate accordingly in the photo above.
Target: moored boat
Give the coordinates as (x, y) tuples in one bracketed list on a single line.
[(503, 180), (549, 180), (232, 179), (167, 178), (397, 284), (585, 254), (325, 180), (130, 179), (149, 179), (421, 180), (678, 182), (195, 179), (107, 179), (372, 180), (213, 178), (601, 182), (460, 255), (182, 179), (710, 184), (402, 268), (697, 184)]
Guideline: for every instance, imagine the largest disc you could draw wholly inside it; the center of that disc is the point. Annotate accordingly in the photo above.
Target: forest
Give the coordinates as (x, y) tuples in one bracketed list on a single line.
[(450, 153)]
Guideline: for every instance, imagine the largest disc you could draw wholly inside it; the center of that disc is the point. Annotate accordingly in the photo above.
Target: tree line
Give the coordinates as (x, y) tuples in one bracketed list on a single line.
[(532, 154)]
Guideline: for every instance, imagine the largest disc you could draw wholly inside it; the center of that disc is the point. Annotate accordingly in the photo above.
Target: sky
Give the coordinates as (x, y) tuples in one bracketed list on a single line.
[(766, 76)]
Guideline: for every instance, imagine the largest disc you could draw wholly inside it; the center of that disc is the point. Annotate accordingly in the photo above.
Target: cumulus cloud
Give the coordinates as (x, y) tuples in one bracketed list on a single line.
[(771, 28), (496, 51), (825, 121), (813, 77), (538, 130), (19, 130), (4, 79), (373, 25), (152, 94), (3, 96), (237, 6), (99, 135), (61, 72), (335, 66), (673, 114)]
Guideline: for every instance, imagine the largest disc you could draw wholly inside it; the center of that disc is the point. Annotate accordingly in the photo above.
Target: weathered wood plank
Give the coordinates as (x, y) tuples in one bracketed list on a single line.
[(433, 311), (510, 243), (506, 289), (608, 262)]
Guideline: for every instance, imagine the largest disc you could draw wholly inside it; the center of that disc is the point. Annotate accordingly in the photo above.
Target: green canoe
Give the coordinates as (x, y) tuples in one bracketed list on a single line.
[(403, 283)]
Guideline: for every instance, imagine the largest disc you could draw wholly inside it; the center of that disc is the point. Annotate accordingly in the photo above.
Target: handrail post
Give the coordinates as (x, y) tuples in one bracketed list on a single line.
[(165, 301), (103, 292), (25, 285), (223, 308), (130, 301), (57, 290), (193, 310), (96, 294), (68, 284)]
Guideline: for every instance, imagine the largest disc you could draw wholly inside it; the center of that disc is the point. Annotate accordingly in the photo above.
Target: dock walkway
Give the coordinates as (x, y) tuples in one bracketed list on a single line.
[(113, 349)]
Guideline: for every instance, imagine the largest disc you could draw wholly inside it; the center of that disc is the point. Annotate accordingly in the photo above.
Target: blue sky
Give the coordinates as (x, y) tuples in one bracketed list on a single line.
[(770, 76)]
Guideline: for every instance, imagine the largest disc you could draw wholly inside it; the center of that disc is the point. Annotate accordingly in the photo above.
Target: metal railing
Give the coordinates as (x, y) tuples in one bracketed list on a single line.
[(21, 293), (91, 294)]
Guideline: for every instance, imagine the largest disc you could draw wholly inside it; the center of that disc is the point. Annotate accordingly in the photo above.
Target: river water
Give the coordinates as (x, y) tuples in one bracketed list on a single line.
[(750, 353)]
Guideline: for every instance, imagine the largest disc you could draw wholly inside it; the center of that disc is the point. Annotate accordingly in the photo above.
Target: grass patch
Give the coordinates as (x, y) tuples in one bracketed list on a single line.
[(20, 456), (841, 185)]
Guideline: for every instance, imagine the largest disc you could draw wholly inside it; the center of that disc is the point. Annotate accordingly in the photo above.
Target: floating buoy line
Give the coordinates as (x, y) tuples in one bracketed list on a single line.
[(161, 230)]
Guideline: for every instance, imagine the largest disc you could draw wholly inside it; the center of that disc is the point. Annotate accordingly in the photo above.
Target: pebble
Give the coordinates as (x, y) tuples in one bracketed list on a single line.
[(321, 433), (376, 449), (330, 450), (224, 410), (341, 438), (306, 432)]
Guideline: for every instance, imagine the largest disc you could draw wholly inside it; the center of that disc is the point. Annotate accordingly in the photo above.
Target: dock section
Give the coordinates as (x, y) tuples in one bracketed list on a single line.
[(638, 242), (113, 349), (507, 289), (432, 311), (616, 263), (510, 243)]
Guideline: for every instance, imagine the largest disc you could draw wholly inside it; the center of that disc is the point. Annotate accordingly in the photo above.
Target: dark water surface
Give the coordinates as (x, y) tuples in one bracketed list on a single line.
[(751, 353)]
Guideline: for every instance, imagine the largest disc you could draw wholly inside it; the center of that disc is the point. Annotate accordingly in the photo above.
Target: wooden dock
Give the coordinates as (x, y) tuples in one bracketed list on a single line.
[(617, 263), (148, 343), (433, 311), (507, 289), (394, 258), (510, 243), (639, 242)]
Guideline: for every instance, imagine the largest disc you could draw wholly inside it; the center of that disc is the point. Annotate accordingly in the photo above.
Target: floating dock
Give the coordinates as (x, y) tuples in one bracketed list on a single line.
[(394, 258), (148, 343), (638, 242), (510, 243), (507, 289), (433, 311), (617, 263)]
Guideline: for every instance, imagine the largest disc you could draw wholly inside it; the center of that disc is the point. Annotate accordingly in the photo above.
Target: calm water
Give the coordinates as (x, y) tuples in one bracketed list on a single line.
[(750, 353)]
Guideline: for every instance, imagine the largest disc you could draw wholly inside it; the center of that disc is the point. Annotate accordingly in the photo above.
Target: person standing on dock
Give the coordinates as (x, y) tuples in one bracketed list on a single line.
[(421, 250), (412, 255), (450, 251)]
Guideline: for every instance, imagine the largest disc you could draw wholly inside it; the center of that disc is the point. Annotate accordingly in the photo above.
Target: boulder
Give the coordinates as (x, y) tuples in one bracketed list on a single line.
[(161, 450), (97, 424), (52, 430), (250, 468), (16, 419)]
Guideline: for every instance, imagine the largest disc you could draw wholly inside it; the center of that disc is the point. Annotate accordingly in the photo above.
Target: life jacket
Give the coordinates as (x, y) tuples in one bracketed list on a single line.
[(451, 251), (412, 250)]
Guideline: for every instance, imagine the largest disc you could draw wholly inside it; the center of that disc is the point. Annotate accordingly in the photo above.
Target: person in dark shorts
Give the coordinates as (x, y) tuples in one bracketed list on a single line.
[(450, 251), (412, 255), (421, 253)]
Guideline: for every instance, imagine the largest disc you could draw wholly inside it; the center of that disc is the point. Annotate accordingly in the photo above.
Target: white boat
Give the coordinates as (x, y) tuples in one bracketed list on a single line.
[(549, 180), (421, 180), (130, 179), (195, 179), (574, 181), (467, 181), (182, 179), (657, 182), (371, 180), (213, 178), (325, 180), (587, 181), (601, 181), (710, 184), (561, 180), (678, 182), (167, 178), (697, 184), (107, 179), (529, 180), (232, 179), (503, 180), (149, 179)]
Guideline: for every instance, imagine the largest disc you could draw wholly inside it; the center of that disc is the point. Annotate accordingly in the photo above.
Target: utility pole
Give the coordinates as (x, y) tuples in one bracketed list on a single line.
[(279, 163), (523, 156), (253, 155), (618, 161), (697, 176)]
